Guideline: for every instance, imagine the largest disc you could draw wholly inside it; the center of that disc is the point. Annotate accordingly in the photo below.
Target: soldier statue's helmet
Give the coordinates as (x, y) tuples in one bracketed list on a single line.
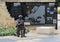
[(20, 16)]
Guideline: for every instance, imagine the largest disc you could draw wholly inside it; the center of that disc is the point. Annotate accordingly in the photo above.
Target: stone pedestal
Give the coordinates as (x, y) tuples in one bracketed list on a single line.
[(45, 30)]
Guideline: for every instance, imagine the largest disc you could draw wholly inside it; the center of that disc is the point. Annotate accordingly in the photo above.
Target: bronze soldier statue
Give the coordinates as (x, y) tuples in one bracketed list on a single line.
[(20, 27)]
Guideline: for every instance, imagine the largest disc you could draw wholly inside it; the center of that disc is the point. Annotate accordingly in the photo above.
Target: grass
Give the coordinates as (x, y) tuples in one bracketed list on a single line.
[(8, 31)]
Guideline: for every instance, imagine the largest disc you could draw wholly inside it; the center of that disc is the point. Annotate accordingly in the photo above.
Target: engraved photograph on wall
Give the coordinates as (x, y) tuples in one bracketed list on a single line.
[(36, 13)]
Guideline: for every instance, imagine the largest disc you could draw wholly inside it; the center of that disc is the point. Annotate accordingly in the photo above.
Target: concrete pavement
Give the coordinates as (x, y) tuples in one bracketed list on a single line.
[(45, 38), (32, 37)]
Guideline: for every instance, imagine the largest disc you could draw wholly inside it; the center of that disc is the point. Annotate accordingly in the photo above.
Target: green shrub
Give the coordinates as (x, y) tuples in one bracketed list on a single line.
[(8, 31), (58, 10)]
